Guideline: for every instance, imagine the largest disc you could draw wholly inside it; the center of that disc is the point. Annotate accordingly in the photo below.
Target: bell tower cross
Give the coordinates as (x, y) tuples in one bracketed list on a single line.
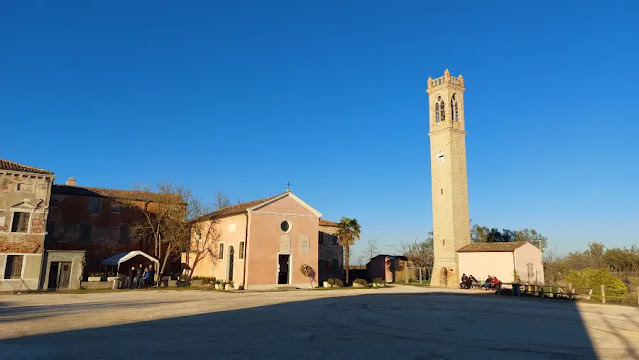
[(451, 221)]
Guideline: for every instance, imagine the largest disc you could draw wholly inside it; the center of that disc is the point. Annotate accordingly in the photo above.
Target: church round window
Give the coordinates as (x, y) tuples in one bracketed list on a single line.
[(285, 226)]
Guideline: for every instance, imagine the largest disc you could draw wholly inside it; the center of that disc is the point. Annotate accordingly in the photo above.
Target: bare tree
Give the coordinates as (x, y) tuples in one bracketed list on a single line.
[(166, 219), (371, 249), (221, 200), (205, 237), (420, 253)]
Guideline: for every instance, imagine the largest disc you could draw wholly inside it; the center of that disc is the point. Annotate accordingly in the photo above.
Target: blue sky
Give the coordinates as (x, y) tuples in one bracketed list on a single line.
[(247, 96)]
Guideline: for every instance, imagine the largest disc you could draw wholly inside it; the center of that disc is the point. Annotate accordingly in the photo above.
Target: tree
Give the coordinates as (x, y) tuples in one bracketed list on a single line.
[(371, 249), (533, 237), (420, 253), (479, 234), (205, 237), (166, 220), (221, 200), (348, 231)]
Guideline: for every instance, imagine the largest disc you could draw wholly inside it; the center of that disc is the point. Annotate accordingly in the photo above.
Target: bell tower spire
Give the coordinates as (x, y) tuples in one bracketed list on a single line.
[(451, 220)]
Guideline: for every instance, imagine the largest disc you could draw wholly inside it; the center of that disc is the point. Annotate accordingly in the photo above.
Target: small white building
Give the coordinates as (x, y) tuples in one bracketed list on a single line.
[(501, 259)]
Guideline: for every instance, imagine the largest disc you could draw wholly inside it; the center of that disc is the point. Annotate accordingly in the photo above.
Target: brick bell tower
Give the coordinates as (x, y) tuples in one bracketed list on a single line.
[(451, 221)]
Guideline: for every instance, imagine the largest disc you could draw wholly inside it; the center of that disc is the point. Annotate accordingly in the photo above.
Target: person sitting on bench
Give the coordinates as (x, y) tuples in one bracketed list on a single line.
[(464, 278), (494, 282), (471, 281), (488, 282)]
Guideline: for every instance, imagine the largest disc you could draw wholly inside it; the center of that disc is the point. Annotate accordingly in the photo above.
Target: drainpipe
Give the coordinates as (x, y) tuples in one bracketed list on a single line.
[(245, 257)]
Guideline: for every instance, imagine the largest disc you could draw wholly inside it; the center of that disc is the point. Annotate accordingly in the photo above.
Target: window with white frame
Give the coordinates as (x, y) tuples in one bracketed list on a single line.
[(13, 267), (20, 222)]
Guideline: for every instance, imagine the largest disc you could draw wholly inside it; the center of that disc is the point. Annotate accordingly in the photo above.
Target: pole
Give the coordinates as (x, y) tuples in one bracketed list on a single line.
[(420, 275), (603, 294), (406, 271)]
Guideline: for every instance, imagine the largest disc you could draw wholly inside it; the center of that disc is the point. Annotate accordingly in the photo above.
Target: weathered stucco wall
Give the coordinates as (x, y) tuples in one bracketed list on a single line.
[(108, 230), (23, 193), (330, 255), (76, 258), (482, 264), (529, 255)]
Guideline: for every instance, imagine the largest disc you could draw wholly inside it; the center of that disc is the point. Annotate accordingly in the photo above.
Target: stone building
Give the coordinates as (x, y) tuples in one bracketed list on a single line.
[(98, 221), (451, 220), (330, 254), (25, 194), (261, 243), (391, 268)]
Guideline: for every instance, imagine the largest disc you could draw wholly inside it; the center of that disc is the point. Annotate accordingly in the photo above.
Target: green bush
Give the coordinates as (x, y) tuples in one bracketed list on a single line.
[(516, 278), (594, 278), (335, 282), (205, 279), (361, 281), (379, 281), (100, 275)]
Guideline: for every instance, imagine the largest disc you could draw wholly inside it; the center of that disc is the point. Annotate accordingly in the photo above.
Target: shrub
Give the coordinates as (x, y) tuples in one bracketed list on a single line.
[(594, 278), (335, 282), (205, 279), (516, 278), (96, 275), (229, 284), (379, 281), (361, 281)]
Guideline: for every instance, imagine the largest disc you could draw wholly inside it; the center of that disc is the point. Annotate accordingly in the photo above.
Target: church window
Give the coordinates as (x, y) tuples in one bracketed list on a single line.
[(454, 108), (441, 110), (437, 112)]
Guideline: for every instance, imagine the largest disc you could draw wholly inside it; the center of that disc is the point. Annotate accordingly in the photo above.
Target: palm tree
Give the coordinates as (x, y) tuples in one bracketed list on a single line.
[(347, 232)]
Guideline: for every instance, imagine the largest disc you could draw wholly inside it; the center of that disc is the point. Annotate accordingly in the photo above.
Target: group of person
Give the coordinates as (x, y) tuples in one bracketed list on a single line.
[(141, 277), (469, 281)]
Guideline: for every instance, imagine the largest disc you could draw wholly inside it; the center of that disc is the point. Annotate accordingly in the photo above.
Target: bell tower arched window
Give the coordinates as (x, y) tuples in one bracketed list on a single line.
[(441, 109), (454, 109), (437, 112)]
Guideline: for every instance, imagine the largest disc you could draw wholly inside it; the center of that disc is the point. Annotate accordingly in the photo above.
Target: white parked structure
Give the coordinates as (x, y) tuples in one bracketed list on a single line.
[(501, 259)]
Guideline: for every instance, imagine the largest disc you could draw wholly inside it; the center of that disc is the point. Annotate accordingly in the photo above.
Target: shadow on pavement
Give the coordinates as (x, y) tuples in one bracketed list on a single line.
[(432, 325)]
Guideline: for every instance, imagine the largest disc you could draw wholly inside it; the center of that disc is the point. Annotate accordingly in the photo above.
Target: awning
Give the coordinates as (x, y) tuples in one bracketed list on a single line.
[(119, 258)]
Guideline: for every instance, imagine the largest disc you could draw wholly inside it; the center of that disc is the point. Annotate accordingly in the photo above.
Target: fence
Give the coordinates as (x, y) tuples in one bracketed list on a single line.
[(602, 294)]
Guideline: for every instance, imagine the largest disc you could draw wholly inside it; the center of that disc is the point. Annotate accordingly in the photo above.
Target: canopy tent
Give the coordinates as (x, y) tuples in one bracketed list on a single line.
[(119, 258)]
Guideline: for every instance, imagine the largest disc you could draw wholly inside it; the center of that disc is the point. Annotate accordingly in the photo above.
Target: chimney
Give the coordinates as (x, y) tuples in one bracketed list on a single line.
[(71, 181)]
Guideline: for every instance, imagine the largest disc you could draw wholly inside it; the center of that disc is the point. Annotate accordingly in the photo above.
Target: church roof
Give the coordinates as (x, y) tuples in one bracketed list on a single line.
[(234, 209), (493, 247), (12, 165)]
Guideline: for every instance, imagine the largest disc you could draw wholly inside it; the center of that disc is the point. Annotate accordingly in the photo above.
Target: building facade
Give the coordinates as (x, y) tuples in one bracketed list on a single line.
[(98, 221), (451, 221), (26, 264), (331, 253), (258, 244), (503, 260)]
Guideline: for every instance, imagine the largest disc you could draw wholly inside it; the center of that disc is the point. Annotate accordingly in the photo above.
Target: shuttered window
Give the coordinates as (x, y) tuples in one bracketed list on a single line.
[(241, 254)]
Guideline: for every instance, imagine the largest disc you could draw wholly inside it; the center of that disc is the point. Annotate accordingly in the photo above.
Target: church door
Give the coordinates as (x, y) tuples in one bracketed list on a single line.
[(443, 277)]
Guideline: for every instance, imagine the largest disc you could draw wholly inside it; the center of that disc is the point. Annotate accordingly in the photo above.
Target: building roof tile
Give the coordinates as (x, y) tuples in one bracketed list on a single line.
[(492, 247), (12, 165), (108, 193)]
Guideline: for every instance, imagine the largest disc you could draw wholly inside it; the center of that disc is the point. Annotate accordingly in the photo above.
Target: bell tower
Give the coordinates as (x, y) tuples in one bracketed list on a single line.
[(451, 221)]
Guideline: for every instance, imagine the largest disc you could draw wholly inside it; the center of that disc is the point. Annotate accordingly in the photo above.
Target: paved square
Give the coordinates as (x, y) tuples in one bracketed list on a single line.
[(401, 322)]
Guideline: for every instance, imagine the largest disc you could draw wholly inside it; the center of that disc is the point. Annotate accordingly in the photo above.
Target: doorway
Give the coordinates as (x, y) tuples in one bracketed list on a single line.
[(231, 253), (443, 280), (283, 267), (59, 275)]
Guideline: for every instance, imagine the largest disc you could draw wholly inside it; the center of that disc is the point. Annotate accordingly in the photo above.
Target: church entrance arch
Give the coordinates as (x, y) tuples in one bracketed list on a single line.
[(443, 277)]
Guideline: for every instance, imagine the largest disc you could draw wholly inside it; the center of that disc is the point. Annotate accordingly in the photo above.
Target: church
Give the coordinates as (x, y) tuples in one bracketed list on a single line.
[(451, 219)]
